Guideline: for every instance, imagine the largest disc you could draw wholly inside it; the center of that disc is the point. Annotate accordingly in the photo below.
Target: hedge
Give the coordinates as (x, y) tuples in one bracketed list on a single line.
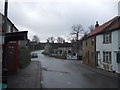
[(24, 57)]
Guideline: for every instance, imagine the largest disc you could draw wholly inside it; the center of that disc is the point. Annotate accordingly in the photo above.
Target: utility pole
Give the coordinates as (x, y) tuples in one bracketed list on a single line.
[(77, 48), (4, 64), (119, 8)]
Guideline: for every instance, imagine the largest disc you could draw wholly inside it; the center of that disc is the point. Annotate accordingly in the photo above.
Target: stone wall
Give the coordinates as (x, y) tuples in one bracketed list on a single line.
[(88, 50)]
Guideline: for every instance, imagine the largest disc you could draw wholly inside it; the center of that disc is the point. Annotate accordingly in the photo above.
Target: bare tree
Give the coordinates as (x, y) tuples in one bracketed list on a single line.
[(51, 39), (71, 38), (86, 32), (76, 29), (60, 40), (91, 27), (76, 32), (36, 39)]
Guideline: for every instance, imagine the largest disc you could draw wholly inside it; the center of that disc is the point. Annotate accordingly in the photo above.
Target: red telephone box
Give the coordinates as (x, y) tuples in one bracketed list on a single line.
[(12, 56)]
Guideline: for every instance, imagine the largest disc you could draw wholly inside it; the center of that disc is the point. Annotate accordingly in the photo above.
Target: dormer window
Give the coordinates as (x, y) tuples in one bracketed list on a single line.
[(107, 38), (9, 28)]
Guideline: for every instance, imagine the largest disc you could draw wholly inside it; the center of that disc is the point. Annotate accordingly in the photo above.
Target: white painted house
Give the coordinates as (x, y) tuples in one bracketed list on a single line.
[(108, 46)]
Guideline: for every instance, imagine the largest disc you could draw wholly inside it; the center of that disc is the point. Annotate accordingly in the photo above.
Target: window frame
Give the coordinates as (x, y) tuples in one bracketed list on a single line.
[(107, 57), (86, 43), (92, 41), (107, 38)]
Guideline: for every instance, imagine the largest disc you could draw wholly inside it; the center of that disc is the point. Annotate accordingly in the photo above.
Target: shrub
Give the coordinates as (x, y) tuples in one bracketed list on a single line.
[(45, 53)]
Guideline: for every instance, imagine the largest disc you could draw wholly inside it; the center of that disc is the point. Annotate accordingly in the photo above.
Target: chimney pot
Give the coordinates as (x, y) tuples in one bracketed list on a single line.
[(97, 25)]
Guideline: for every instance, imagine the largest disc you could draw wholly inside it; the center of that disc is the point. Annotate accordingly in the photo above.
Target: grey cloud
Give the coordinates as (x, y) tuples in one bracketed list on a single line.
[(56, 18)]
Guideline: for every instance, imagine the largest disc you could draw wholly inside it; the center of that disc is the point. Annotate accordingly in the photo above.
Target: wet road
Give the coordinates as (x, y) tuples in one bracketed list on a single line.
[(59, 73)]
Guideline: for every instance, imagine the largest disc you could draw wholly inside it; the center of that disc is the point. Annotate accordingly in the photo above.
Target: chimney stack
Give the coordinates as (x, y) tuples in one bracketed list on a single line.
[(97, 25)]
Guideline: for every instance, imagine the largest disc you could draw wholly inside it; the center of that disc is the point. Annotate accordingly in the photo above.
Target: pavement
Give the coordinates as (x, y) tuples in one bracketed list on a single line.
[(104, 72), (29, 77), (101, 71)]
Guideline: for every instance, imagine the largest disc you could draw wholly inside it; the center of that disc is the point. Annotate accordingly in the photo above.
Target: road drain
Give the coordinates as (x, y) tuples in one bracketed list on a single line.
[(24, 75), (46, 69)]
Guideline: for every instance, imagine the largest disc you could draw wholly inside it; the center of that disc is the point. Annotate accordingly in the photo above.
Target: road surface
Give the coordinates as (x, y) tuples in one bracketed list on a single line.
[(60, 73)]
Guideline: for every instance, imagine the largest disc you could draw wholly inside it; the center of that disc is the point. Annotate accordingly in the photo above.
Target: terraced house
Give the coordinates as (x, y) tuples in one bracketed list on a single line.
[(108, 46), (101, 47), (89, 48)]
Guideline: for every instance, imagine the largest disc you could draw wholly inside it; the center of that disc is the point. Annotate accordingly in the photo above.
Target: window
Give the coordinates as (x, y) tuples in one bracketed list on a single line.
[(60, 51), (107, 38), (74, 54), (9, 28), (92, 41), (92, 55), (0, 24), (110, 39), (107, 57), (86, 54), (86, 42), (69, 51), (118, 57)]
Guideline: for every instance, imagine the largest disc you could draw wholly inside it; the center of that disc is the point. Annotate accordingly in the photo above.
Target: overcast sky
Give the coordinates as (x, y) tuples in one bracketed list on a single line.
[(46, 18)]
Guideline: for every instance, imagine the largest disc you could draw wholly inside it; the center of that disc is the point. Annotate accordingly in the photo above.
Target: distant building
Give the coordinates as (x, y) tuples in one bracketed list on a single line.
[(77, 49), (42, 45), (60, 49), (32, 44)]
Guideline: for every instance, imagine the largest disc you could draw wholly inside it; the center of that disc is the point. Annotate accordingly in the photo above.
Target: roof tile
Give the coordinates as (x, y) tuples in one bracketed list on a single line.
[(105, 25)]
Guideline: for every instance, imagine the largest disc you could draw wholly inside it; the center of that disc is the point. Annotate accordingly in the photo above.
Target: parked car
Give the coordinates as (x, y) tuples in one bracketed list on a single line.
[(34, 55)]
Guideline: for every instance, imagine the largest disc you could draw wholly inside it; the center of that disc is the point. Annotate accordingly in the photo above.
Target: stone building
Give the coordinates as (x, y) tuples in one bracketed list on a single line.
[(88, 50)]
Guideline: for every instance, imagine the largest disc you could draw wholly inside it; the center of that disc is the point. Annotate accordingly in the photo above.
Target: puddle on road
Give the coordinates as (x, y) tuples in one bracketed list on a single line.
[(23, 75), (46, 69), (68, 83)]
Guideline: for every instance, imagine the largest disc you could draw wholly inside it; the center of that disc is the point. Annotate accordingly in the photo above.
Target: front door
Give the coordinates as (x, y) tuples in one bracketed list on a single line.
[(88, 58), (98, 57)]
